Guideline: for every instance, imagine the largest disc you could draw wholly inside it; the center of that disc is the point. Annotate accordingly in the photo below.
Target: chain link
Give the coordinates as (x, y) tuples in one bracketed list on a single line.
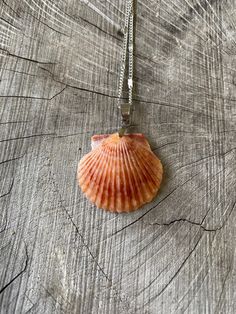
[(127, 48), (130, 56), (124, 49)]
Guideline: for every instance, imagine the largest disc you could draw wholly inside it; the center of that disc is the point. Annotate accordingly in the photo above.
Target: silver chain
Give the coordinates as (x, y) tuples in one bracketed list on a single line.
[(128, 44)]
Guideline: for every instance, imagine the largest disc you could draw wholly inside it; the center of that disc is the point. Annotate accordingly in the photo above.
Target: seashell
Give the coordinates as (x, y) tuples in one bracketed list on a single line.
[(120, 174)]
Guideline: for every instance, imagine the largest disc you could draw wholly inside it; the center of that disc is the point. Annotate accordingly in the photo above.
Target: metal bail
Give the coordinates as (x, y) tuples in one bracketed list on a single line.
[(125, 114)]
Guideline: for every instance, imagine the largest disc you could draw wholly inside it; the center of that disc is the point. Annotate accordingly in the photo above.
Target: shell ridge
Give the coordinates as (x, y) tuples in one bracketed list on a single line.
[(124, 173), (128, 184), (100, 189), (87, 157), (129, 173), (136, 173), (112, 179), (87, 165), (107, 181), (148, 167), (116, 179), (141, 175), (95, 177), (123, 187), (87, 177), (149, 186), (152, 177)]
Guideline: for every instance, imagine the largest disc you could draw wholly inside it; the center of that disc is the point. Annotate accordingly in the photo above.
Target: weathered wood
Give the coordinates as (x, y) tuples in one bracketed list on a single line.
[(59, 65)]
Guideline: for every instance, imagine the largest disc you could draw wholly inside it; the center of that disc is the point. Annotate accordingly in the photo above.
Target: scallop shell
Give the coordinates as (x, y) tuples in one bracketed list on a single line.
[(120, 174)]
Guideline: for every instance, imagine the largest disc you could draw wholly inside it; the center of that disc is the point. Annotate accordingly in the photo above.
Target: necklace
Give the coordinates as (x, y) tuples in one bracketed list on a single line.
[(128, 47), (121, 173)]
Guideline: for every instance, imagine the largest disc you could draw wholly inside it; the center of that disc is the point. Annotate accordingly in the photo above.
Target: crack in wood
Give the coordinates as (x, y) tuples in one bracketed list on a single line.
[(50, 27), (200, 224), (61, 91), (188, 221), (32, 97), (207, 157), (26, 137), (15, 122), (9, 191), (138, 100), (230, 268), (19, 274), (12, 159), (76, 228), (84, 243), (155, 206), (20, 72), (25, 58), (76, 87), (7, 5), (83, 240), (164, 145), (1, 18), (179, 269), (5, 224), (94, 25)]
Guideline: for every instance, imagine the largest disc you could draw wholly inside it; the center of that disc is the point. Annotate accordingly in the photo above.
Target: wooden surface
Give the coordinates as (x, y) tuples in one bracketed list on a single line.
[(59, 65)]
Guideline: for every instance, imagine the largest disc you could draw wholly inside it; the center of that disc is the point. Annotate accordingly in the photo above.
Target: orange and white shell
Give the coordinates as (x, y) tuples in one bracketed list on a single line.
[(120, 174)]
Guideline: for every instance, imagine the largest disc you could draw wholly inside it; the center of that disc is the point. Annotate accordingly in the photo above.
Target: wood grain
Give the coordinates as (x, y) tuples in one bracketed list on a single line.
[(59, 72)]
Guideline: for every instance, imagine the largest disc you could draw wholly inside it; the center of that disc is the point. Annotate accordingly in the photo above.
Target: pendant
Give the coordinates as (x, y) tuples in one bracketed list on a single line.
[(121, 173)]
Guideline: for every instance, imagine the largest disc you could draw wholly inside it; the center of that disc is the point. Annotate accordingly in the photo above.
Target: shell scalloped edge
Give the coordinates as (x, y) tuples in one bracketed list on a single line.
[(121, 173)]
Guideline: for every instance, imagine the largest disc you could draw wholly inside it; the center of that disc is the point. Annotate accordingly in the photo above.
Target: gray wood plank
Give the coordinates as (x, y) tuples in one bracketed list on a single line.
[(59, 71)]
